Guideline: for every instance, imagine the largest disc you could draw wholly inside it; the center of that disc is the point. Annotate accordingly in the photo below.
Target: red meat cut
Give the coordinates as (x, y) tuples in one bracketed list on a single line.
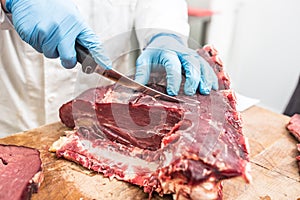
[(20, 172), (184, 149), (294, 127)]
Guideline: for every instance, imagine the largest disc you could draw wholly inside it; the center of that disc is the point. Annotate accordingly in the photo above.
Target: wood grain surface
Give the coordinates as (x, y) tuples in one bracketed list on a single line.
[(274, 168)]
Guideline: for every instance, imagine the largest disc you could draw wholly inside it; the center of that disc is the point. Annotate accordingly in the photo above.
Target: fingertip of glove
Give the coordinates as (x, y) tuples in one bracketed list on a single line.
[(173, 85), (190, 86), (189, 90), (172, 92), (69, 64), (204, 87), (215, 86), (204, 91)]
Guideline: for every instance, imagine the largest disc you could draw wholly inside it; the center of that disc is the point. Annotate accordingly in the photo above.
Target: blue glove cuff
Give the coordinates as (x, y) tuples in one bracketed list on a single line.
[(176, 37), (7, 6)]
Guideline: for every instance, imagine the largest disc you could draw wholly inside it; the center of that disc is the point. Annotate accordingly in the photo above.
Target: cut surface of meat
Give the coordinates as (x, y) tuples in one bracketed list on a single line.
[(20, 172), (294, 126), (184, 149)]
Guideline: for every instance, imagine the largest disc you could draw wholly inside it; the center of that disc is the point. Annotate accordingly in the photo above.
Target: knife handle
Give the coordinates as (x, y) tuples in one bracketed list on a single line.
[(85, 58)]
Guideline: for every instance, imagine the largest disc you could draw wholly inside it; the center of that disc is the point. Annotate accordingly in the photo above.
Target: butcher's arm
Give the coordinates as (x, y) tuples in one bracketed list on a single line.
[(5, 22), (53, 27), (3, 3), (162, 30)]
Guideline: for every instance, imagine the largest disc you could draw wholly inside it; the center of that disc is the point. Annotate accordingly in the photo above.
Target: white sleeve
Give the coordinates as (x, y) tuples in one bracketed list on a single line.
[(5, 20), (156, 16)]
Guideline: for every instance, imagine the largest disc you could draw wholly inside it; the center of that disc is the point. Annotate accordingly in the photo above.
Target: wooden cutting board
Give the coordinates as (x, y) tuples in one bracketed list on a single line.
[(274, 168)]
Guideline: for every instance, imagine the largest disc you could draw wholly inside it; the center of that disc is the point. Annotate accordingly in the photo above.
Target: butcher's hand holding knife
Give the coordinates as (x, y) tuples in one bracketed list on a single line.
[(53, 27)]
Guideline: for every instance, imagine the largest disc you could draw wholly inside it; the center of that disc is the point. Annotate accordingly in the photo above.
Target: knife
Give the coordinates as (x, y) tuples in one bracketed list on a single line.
[(89, 66)]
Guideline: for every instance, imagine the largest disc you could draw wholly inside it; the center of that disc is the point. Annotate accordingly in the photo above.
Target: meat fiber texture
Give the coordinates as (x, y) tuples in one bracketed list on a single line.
[(20, 172), (184, 149), (294, 128)]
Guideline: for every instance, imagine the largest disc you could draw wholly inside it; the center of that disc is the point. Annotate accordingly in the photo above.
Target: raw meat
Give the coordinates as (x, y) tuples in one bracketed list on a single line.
[(20, 172), (294, 128), (181, 149), (298, 157)]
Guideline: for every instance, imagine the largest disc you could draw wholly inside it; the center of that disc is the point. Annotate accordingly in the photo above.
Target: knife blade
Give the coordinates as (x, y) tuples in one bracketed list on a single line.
[(89, 66)]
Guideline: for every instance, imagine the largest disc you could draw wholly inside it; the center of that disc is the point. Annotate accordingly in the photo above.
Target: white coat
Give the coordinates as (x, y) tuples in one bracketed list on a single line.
[(32, 87)]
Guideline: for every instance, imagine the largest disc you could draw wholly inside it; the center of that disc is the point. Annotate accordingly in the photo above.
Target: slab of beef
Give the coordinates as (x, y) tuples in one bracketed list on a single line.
[(183, 149), (294, 128), (20, 172)]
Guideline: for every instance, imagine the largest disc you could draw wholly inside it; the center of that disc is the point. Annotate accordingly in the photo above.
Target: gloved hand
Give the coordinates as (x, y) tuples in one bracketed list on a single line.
[(168, 51), (52, 27)]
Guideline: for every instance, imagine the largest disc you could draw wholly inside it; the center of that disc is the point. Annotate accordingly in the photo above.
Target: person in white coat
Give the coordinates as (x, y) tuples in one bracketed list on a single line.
[(33, 85)]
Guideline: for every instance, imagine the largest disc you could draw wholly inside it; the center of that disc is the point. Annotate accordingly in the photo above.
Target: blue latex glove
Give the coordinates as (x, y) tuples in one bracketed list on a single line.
[(52, 27), (168, 51)]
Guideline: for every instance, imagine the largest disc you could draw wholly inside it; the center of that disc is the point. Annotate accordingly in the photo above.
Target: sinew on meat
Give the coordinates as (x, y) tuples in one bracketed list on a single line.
[(181, 149), (20, 172)]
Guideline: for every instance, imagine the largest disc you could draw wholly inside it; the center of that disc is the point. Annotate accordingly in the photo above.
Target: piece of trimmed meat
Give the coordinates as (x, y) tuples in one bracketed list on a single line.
[(181, 149), (20, 172), (294, 126)]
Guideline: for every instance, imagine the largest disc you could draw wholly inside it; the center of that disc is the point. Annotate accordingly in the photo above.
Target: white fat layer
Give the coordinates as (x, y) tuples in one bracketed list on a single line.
[(120, 160), (248, 176), (207, 190), (58, 144), (38, 178), (169, 158), (118, 97)]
